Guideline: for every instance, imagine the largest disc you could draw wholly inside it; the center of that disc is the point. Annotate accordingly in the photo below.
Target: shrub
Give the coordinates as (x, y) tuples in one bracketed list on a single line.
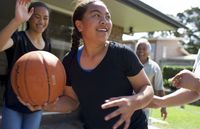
[(171, 71)]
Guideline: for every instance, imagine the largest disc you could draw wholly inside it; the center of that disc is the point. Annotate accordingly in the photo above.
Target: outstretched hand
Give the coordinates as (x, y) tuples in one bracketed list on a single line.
[(185, 79), (126, 108), (21, 11)]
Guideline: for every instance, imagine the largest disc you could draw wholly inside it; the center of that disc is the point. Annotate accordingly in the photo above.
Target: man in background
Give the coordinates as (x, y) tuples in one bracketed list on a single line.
[(153, 71)]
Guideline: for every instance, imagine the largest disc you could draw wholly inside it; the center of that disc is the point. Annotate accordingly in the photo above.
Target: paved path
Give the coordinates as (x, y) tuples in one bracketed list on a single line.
[(70, 121)]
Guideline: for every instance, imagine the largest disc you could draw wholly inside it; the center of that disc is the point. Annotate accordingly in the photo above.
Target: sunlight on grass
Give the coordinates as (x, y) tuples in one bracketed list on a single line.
[(179, 118)]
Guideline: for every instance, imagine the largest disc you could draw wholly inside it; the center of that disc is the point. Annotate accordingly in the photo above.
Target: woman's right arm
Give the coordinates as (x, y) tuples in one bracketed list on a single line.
[(179, 97), (21, 15)]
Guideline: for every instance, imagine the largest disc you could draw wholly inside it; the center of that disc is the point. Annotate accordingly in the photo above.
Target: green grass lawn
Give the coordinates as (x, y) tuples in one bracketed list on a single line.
[(179, 118)]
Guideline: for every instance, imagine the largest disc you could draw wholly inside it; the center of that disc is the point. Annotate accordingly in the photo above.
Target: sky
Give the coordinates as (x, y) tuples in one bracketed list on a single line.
[(172, 7)]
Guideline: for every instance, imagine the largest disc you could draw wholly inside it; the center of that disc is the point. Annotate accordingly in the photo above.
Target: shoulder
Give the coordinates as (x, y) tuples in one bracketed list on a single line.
[(120, 48), (18, 34), (68, 57), (154, 64)]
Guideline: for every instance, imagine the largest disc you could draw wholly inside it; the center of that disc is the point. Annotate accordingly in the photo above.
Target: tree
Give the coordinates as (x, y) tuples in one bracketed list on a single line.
[(191, 36), (191, 19)]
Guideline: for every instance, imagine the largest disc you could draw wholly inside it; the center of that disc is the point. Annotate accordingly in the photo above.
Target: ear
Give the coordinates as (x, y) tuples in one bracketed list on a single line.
[(78, 25)]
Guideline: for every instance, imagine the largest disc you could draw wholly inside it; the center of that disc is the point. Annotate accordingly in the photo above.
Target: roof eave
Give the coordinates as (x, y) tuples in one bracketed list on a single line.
[(146, 9)]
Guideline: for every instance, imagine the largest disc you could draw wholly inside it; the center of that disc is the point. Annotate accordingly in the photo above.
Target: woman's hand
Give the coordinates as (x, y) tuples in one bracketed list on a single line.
[(46, 106), (186, 79), (21, 11), (127, 105), (32, 108)]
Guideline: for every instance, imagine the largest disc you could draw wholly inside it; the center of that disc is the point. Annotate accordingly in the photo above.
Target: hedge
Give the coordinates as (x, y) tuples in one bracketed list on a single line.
[(171, 71)]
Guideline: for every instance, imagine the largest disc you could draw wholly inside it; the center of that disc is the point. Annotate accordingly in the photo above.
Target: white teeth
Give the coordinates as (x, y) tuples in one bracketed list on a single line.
[(40, 25), (103, 30)]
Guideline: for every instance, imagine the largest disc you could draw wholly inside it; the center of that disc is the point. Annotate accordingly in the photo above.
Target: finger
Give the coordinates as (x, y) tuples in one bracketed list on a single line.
[(127, 123), (113, 114), (112, 99), (110, 104), (17, 3), (31, 12), (170, 80), (119, 122), (34, 108), (56, 100), (21, 101), (25, 2)]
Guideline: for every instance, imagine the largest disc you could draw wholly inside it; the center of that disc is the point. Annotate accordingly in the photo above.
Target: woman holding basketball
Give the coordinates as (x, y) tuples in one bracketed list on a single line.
[(102, 75), (15, 115)]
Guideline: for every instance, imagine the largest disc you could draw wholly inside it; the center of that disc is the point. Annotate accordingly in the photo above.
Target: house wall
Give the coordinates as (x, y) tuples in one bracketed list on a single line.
[(116, 34), (166, 48), (162, 49)]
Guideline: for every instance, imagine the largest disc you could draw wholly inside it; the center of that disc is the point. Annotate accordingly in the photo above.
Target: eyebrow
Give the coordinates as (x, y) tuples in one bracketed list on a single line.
[(95, 10), (37, 14)]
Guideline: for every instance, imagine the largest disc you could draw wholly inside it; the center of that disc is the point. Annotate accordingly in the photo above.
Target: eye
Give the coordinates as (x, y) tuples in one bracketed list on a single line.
[(46, 18), (108, 17), (96, 15), (37, 16)]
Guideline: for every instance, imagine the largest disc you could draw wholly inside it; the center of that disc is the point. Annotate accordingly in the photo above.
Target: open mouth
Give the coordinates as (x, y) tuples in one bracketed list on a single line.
[(102, 30)]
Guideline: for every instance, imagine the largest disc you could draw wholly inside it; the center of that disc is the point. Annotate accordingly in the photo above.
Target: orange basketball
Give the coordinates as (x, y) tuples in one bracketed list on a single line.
[(38, 77)]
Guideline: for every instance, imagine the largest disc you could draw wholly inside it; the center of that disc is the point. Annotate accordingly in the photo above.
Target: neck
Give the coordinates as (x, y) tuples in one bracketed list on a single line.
[(144, 60), (94, 50), (33, 35), (36, 39)]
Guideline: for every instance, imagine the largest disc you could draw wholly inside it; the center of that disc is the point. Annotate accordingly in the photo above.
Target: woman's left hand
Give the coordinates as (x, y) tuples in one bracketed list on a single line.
[(126, 108), (31, 107)]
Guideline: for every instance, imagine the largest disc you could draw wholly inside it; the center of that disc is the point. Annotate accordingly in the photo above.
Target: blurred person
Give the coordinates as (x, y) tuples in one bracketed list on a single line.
[(153, 71), (16, 43)]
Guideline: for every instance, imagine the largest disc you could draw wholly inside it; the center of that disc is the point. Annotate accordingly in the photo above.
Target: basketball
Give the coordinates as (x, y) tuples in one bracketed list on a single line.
[(38, 77)]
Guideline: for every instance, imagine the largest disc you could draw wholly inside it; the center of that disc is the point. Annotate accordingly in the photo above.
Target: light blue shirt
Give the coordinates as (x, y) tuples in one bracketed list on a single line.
[(154, 74)]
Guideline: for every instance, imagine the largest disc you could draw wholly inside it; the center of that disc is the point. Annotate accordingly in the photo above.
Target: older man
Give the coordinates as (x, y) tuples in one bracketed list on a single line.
[(152, 69)]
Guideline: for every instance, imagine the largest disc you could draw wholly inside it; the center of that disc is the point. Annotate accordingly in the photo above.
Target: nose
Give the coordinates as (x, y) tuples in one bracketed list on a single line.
[(41, 21), (103, 20)]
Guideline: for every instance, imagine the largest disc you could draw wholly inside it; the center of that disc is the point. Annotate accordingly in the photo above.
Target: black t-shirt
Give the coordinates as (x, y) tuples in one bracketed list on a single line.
[(108, 79), (21, 45)]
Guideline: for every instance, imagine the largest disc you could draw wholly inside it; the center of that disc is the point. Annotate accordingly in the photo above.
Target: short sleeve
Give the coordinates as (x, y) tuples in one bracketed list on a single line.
[(15, 37), (67, 62), (131, 63)]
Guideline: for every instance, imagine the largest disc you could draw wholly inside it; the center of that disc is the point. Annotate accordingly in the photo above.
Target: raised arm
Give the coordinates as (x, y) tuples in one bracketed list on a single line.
[(21, 16)]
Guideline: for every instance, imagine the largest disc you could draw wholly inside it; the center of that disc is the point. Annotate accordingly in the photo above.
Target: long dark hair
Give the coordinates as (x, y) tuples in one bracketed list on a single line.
[(35, 5), (79, 11)]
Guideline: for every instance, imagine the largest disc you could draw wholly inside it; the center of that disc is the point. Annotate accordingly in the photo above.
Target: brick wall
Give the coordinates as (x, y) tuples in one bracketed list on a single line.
[(116, 34)]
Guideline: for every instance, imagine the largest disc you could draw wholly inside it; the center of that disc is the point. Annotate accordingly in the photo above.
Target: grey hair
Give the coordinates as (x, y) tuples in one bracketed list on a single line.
[(143, 41)]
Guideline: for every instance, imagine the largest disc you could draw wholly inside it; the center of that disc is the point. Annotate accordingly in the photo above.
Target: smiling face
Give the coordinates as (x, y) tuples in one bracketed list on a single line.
[(142, 52), (96, 24), (39, 20)]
